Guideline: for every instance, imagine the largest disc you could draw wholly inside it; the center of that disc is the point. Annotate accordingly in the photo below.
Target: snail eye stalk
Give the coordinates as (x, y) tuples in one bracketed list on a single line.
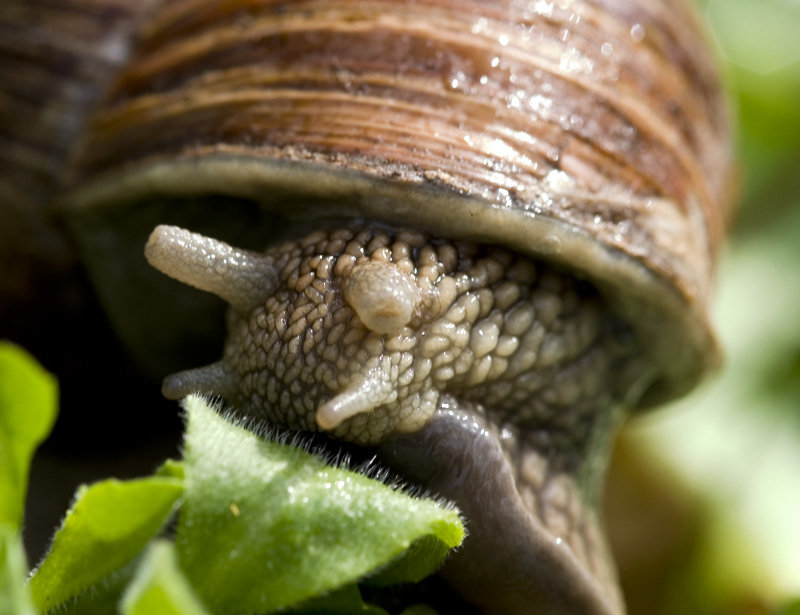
[(241, 278)]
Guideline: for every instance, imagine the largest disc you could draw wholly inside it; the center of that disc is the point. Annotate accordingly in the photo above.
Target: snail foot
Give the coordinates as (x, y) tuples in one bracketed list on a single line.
[(461, 455)]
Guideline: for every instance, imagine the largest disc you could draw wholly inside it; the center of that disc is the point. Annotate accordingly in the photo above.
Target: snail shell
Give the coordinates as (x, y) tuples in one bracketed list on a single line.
[(587, 137), (605, 153)]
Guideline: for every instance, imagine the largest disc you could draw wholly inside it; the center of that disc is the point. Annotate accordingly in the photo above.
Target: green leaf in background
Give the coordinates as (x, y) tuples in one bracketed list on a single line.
[(421, 560), (171, 468), (420, 609), (765, 47), (792, 609), (758, 39), (266, 525), (103, 598), (344, 601), (159, 587), (107, 526), (28, 403), (738, 443), (15, 598)]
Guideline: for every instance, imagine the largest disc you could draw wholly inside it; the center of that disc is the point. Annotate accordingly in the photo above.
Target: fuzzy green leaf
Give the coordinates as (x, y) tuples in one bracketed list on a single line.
[(159, 587), (15, 598), (28, 402), (171, 468), (419, 561), (266, 525), (107, 526), (102, 598), (344, 601)]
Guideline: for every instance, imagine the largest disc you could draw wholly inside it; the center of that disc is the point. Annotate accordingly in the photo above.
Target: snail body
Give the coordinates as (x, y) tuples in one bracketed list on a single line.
[(491, 231), (407, 342)]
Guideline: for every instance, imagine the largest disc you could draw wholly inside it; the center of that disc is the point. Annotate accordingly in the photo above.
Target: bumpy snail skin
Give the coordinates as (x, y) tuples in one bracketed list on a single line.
[(304, 348), (370, 333)]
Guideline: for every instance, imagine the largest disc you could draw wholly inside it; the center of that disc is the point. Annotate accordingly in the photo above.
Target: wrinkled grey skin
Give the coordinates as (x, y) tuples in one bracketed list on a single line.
[(507, 563)]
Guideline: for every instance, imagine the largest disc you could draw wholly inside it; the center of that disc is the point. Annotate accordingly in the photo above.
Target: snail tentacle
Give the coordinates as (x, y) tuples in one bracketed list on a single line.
[(243, 279), (369, 391), (216, 377)]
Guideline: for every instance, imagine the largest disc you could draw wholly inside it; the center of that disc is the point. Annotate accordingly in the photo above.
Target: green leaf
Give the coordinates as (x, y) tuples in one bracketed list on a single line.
[(15, 598), (28, 402), (159, 587), (265, 525), (792, 609), (102, 598), (171, 468), (344, 601), (107, 526), (421, 559), (420, 609)]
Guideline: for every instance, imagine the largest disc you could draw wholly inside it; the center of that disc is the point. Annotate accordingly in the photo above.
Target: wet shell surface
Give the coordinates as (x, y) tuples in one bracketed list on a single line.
[(592, 134)]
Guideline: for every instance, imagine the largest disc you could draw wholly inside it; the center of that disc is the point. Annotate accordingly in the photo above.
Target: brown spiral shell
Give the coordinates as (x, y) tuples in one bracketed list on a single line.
[(590, 133), (56, 60)]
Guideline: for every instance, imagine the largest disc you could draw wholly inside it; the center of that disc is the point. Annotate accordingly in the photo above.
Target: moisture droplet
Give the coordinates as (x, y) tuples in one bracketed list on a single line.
[(552, 244), (543, 8), (637, 33), (481, 26)]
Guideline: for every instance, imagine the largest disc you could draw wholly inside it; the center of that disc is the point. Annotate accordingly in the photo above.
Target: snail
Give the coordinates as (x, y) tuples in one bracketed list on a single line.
[(470, 234)]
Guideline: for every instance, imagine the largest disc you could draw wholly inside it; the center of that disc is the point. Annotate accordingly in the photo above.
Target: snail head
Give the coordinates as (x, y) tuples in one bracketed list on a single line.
[(359, 331)]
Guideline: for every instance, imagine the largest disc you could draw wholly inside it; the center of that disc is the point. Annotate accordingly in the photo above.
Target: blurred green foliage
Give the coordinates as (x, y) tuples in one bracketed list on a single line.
[(28, 406), (759, 46), (28, 402), (735, 445)]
